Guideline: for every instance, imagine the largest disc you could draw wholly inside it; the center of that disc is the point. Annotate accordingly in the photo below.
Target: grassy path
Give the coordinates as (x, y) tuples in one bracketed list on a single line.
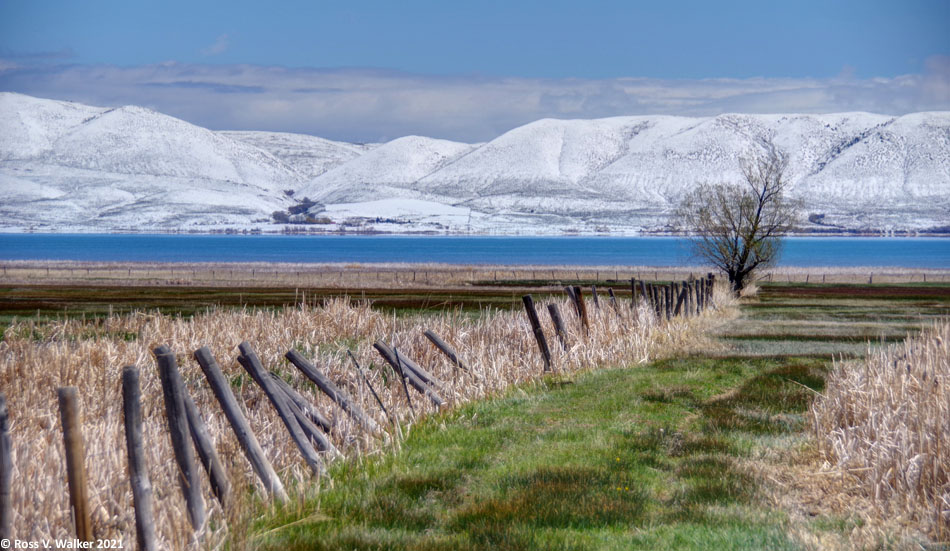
[(647, 457)]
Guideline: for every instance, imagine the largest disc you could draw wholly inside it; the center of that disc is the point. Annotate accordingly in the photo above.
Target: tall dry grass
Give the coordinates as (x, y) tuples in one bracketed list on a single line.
[(885, 424), (37, 358)]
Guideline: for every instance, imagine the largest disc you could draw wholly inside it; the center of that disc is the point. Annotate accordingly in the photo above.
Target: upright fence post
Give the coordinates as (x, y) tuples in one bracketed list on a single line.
[(75, 469), (582, 308), (668, 300), (138, 473), (538, 332), (6, 471), (242, 430), (173, 390)]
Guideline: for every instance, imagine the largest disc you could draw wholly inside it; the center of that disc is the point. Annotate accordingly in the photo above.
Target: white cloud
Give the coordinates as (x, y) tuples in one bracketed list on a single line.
[(221, 45), (376, 105)]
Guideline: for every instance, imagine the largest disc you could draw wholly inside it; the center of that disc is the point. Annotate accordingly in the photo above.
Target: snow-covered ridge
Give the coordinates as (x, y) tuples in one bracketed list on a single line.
[(68, 167)]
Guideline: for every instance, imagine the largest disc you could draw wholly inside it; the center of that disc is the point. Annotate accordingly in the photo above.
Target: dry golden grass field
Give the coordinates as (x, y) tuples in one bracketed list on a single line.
[(80, 324)]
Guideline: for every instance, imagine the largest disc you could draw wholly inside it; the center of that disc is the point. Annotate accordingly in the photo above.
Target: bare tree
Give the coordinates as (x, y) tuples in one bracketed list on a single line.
[(738, 226)]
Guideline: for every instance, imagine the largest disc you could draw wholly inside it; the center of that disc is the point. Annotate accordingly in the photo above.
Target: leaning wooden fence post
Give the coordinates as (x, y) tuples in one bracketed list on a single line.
[(242, 430), (558, 324), (593, 293), (315, 416), (331, 390), (75, 469), (573, 297), (680, 299), (138, 473), (252, 364), (538, 332), (6, 471), (446, 349), (370, 387), (402, 365), (173, 390), (613, 300), (204, 445), (316, 435)]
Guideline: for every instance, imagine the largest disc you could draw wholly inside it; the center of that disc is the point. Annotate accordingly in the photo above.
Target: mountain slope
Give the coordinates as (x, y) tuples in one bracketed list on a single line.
[(860, 170), (390, 170), (69, 167), (310, 156)]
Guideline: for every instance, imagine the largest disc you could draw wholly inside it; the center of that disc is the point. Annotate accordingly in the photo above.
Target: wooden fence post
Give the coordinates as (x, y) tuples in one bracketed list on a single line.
[(311, 412), (242, 430), (316, 435), (613, 300), (421, 373), (582, 309), (446, 349), (6, 471), (680, 299), (633, 293), (668, 300), (252, 364), (204, 445), (538, 332), (401, 364), (138, 473), (369, 386), (331, 390), (75, 458), (558, 324), (173, 390), (593, 294)]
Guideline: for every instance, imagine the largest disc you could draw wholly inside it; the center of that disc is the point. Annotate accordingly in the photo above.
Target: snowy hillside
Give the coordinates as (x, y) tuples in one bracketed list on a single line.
[(70, 167), (390, 170), (310, 156), (856, 171)]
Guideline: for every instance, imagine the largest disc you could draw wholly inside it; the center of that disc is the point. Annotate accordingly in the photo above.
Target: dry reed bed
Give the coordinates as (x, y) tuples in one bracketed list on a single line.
[(35, 359), (885, 425)]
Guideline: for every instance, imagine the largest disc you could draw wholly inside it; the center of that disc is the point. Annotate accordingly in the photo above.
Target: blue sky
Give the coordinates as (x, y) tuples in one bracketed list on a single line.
[(374, 70)]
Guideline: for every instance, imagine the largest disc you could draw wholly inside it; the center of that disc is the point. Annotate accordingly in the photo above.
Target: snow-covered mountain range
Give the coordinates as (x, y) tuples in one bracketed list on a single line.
[(71, 167)]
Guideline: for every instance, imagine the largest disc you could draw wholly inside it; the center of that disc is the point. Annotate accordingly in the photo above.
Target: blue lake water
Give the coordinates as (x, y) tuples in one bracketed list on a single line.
[(606, 251)]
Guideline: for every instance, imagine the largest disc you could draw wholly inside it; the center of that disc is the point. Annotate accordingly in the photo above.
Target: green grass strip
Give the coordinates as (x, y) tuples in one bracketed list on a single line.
[(638, 458)]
